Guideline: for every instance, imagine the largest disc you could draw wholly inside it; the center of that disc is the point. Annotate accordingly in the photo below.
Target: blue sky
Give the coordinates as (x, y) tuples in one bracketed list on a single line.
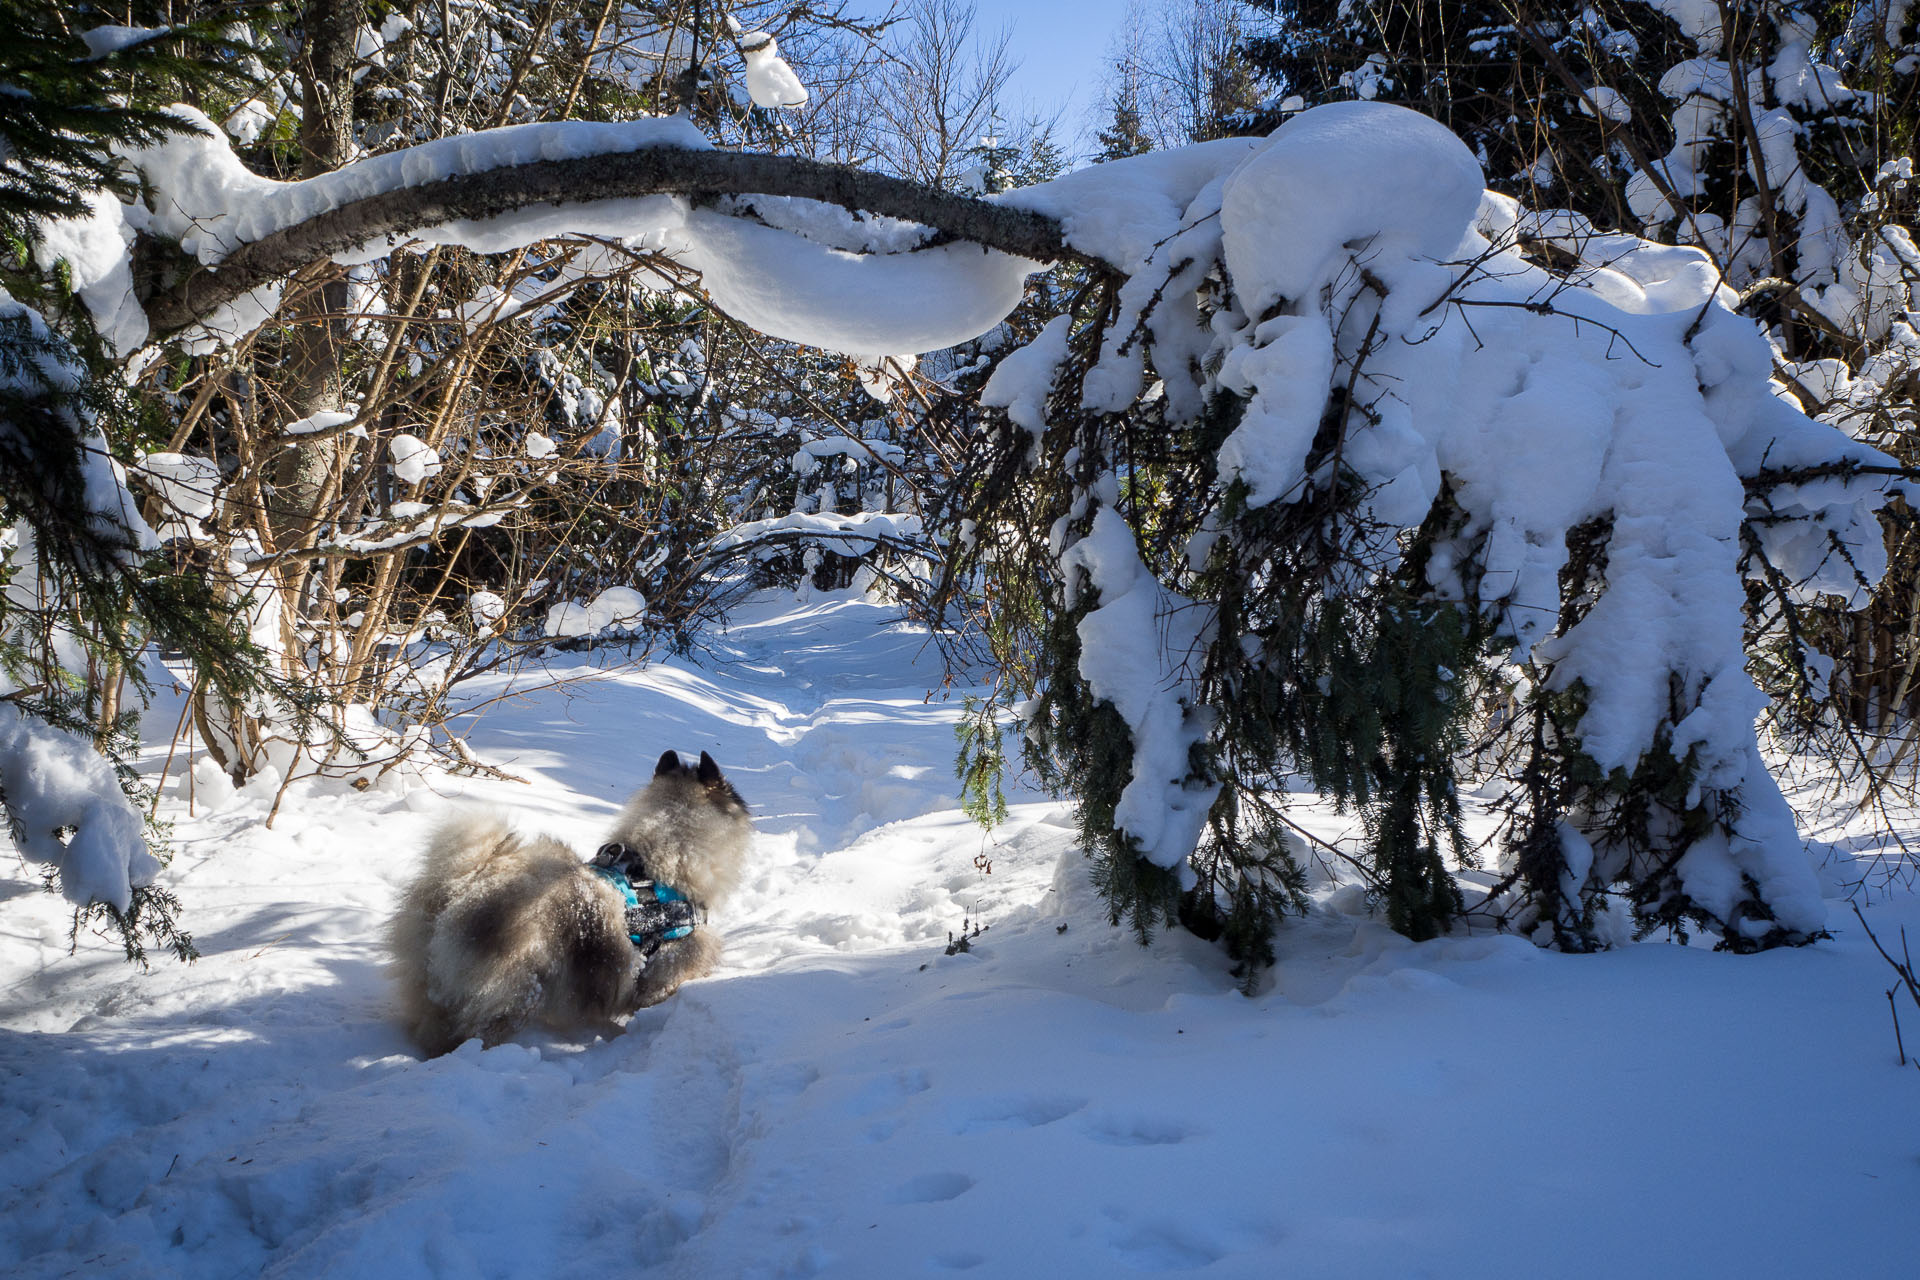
[(1061, 45)]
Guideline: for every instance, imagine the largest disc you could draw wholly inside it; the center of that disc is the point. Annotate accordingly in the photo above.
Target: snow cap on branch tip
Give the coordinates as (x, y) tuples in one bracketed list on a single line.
[(771, 82), (54, 782)]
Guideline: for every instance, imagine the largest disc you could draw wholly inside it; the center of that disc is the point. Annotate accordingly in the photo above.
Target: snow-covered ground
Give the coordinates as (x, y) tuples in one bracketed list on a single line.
[(843, 1099)]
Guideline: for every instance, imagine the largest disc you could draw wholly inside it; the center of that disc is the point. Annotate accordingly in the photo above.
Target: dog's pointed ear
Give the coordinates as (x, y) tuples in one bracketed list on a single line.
[(709, 771), (669, 763)]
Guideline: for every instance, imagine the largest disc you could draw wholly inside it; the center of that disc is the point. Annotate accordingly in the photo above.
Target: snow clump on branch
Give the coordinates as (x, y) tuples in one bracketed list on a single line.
[(771, 82), (55, 784), (62, 800)]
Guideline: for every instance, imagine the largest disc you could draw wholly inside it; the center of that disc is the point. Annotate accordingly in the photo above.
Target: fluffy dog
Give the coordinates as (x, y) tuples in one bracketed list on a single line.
[(499, 930)]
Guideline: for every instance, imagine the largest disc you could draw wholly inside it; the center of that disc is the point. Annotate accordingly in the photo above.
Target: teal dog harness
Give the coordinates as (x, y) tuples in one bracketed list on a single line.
[(656, 913)]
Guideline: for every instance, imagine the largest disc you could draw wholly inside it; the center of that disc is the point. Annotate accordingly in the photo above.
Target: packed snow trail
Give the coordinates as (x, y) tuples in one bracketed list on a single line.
[(844, 1099)]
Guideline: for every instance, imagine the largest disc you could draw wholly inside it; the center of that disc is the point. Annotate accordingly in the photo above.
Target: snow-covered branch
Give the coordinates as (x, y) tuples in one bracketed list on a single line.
[(487, 177)]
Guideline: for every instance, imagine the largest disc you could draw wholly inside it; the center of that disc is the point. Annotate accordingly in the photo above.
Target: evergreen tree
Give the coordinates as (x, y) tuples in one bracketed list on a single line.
[(1123, 134), (84, 592), (1770, 135), (1545, 92), (67, 71)]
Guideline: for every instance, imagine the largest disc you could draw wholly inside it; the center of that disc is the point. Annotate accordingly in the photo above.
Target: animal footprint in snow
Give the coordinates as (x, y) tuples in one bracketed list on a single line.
[(1013, 1111), (961, 1260), (787, 1079), (1135, 1130), (1164, 1247), (931, 1188), (1165, 1244), (885, 1091)]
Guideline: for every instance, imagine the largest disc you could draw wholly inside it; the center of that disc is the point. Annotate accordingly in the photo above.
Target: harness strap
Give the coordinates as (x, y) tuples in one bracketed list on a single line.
[(656, 913)]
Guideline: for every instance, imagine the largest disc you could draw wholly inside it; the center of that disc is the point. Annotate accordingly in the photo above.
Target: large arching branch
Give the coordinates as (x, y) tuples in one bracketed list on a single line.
[(648, 171)]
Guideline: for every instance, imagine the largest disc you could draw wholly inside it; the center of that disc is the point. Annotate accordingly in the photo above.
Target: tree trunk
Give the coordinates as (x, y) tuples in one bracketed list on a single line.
[(325, 69)]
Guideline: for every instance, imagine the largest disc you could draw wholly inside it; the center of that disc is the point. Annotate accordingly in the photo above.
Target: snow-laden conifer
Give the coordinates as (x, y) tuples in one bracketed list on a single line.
[(1367, 448)]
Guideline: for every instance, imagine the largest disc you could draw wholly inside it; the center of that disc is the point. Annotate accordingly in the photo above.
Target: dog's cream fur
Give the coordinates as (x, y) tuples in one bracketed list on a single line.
[(500, 930)]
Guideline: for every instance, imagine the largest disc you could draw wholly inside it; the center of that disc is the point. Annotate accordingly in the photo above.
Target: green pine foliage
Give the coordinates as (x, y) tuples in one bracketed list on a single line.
[(1081, 746), (1346, 668), (151, 919), (113, 597), (1247, 876), (981, 763), (1506, 75), (99, 594), (1413, 819), (1568, 104), (1125, 133), (75, 638), (1325, 655), (67, 107), (152, 914)]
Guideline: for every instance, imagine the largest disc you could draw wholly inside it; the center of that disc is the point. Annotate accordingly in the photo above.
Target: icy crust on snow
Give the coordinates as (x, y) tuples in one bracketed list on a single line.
[(1136, 647), (55, 781)]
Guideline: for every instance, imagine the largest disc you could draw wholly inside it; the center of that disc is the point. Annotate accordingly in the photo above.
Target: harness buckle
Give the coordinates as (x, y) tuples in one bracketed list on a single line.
[(662, 914)]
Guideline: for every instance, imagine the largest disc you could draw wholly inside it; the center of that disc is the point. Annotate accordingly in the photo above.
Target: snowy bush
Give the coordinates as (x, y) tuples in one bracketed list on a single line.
[(1773, 135)]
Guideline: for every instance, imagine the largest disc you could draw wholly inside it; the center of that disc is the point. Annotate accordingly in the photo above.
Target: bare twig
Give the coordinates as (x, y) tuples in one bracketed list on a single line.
[(1908, 981)]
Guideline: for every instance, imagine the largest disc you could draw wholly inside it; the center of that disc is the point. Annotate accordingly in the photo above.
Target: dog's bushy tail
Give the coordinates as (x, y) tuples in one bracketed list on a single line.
[(433, 994)]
